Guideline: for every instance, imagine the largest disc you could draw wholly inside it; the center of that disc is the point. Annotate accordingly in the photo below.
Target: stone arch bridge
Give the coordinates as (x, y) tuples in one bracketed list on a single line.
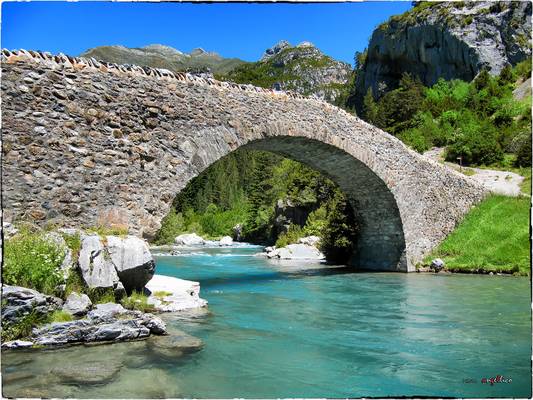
[(86, 142)]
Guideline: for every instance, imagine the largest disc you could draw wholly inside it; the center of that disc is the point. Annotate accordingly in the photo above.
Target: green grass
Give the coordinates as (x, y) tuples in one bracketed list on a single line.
[(494, 236), (137, 301), (60, 316)]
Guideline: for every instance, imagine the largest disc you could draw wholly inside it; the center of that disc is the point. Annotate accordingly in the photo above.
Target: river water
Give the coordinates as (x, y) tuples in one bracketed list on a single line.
[(305, 330)]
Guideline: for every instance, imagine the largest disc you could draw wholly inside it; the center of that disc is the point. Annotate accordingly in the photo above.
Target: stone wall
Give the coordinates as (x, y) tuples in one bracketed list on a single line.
[(87, 143)]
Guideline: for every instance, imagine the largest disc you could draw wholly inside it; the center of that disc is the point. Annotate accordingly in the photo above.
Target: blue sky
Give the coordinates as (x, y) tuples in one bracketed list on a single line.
[(242, 30)]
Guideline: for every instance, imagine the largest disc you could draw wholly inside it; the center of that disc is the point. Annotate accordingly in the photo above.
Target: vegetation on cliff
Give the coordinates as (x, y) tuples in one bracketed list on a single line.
[(477, 121)]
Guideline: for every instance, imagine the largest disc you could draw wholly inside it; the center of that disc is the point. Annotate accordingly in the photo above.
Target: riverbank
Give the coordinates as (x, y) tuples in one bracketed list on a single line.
[(493, 237)]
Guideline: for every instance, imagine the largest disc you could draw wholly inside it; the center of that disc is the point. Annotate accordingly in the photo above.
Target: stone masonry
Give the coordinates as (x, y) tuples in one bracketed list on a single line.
[(88, 143)]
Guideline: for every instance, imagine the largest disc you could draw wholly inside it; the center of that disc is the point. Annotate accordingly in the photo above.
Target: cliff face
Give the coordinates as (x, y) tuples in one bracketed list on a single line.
[(159, 56), (303, 69), (446, 40)]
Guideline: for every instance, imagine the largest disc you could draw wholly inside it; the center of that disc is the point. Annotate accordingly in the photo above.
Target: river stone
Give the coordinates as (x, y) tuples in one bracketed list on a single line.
[(18, 302), (81, 372), (16, 344), (225, 241), (67, 263), (175, 344), (95, 264), (133, 261), (437, 264), (106, 310), (189, 239), (77, 304)]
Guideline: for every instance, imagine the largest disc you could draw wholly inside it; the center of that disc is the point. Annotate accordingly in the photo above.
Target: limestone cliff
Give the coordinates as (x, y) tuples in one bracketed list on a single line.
[(303, 69), (446, 40)]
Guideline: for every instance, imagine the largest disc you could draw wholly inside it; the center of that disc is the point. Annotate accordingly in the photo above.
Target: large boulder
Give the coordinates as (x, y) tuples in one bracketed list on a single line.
[(17, 302), (310, 240), (77, 304), (174, 345), (133, 261), (169, 294), (225, 241), (189, 239), (96, 266), (297, 251), (68, 263)]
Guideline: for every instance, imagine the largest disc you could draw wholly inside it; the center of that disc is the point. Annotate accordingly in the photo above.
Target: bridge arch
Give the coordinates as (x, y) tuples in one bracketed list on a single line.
[(86, 142)]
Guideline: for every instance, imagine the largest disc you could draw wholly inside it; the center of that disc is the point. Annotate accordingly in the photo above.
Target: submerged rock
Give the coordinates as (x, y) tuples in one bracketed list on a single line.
[(77, 304), (81, 372), (189, 239), (133, 261), (175, 344), (170, 294)]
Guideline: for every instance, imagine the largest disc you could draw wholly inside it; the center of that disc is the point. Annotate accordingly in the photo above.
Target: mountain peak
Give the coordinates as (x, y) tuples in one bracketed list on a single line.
[(272, 51), (160, 48)]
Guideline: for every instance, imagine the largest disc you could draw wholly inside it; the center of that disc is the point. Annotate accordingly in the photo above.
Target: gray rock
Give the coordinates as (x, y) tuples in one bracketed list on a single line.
[(133, 261), (96, 266), (310, 240), (68, 262), (225, 241), (174, 294), (437, 264), (17, 302), (272, 51), (16, 344), (189, 239), (108, 322), (77, 305), (237, 232)]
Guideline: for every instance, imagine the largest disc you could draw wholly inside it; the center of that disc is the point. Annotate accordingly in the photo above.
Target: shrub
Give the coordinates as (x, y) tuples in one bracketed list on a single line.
[(59, 316), (523, 156), (32, 260), (101, 295), (137, 301)]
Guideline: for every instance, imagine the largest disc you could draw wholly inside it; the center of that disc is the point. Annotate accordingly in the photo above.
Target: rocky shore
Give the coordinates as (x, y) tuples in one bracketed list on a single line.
[(122, 267)]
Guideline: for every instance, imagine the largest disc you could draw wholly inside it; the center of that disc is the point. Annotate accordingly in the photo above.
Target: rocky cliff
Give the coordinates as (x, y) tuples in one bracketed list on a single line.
[(446, 40), (159, 56), (303, 69)]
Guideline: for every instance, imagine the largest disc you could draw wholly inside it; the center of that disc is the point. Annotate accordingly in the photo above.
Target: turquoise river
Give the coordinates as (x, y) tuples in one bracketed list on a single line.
[(298, 329)]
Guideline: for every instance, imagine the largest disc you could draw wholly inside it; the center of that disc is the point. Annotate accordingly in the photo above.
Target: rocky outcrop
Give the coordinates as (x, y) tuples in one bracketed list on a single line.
[(287, 213), (169, 294), (18, 302), (77, 304), (449, 40), (133, 261), (303, 69), (108, 322), (189, 239)]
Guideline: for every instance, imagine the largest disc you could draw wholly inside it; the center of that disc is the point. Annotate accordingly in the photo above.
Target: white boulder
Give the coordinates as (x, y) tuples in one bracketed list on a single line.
[(225, 241), (310, 240), (297, 251), (189, 239), (171, 294)]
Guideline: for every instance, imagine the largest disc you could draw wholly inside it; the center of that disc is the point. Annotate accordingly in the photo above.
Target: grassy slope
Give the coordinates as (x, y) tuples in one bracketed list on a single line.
[(494, 236)]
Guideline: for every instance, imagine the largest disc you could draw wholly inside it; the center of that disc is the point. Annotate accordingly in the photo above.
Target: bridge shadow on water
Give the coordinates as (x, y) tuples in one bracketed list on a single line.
[(279, 274)]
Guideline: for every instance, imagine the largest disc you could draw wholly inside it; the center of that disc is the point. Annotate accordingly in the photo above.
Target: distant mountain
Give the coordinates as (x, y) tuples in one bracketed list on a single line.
[(303, 69), (159, 56)]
